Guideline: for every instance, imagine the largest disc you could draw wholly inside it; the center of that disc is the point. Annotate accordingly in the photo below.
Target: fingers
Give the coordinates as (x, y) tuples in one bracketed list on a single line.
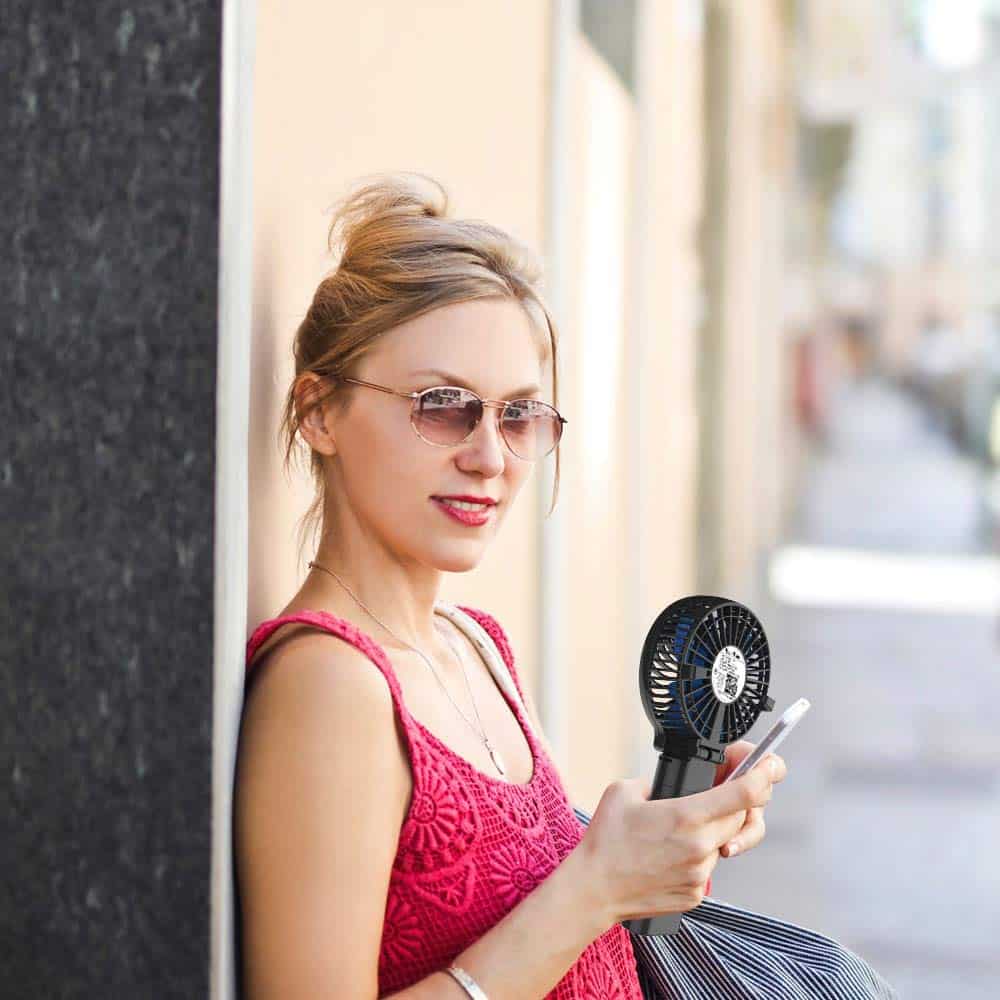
[(777, 765), (751, 834), (747, 792), (737, 752), (732, 811)]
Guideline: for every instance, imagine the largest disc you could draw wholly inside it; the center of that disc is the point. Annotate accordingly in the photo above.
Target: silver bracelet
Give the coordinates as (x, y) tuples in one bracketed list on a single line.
[(466, 982)]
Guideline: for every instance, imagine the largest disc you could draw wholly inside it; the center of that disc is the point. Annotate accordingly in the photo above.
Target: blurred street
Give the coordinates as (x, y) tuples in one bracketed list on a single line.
[(883, 834)]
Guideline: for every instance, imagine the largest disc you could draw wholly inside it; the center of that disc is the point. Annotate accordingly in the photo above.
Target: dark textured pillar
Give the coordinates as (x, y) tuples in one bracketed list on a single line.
[(109, 222)]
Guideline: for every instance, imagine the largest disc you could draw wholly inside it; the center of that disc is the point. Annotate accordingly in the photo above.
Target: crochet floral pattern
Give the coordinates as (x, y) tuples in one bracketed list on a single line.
[(514, 870), (598, 979), (443, 819), (521, 812), (401, 936), (472, 846)]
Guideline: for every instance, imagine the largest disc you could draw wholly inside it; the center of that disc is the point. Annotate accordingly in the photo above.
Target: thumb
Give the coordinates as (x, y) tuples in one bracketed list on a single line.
[(722, 799)]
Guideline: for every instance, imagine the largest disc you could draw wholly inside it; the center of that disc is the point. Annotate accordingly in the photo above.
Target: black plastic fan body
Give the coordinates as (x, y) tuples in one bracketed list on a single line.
[(703, 677)]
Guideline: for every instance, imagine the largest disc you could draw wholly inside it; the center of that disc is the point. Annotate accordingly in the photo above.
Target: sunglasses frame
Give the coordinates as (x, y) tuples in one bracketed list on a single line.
[(500, 404)]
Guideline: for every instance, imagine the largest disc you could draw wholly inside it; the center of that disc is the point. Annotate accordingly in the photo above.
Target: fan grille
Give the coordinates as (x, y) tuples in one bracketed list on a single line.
[(682, 652)]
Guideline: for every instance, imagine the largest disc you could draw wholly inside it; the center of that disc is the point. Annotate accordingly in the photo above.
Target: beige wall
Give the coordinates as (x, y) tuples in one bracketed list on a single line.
[(343, 90), (764, 90), (633, 328), (668, 212), (596, 453), (460, 91), (752, 400)]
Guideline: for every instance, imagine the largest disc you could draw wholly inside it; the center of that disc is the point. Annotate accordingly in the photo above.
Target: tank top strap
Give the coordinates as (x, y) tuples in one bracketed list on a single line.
[(344, 630), (495, 631)]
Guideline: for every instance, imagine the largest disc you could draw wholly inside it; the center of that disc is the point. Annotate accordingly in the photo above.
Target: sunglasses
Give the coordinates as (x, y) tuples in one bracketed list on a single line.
[(446, 415)]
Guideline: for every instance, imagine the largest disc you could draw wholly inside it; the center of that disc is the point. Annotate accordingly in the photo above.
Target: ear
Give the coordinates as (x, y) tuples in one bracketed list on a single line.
[(317, 425)]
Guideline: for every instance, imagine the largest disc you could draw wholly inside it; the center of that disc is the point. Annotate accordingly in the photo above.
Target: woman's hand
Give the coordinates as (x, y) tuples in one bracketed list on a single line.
[(655, 856), (752, 832)]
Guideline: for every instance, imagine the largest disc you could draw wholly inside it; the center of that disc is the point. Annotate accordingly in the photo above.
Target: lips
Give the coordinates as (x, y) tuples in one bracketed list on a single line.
[(467, 498), (473, 518)]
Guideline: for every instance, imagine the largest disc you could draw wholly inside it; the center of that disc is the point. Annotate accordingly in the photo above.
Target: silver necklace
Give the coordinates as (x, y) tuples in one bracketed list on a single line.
[(481, 732)]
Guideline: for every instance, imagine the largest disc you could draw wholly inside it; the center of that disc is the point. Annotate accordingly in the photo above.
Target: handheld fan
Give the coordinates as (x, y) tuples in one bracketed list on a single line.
[(703, 677)]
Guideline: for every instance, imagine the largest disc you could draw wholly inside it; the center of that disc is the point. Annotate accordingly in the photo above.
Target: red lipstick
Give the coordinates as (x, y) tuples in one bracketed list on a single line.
[(467, 497), (472, 518)]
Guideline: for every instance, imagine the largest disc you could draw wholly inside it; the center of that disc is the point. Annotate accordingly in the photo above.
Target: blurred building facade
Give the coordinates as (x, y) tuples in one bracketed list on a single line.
[(899, 106)]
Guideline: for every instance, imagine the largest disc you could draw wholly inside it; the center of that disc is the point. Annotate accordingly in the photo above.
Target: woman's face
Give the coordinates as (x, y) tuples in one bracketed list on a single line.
[(387, 477)]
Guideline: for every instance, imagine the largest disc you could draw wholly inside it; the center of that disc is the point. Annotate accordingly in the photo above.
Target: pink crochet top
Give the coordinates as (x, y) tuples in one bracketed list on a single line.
[(472, 846)]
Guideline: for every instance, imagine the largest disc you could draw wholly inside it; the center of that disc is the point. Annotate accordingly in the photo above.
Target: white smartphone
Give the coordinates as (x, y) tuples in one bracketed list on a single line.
[(775, 735)]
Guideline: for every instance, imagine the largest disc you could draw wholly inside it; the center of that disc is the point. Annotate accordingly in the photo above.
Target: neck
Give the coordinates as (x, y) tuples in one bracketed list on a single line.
[(384, 598)]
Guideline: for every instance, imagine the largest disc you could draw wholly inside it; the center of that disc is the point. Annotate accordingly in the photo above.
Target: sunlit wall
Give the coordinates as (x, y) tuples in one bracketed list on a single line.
[(343, 91)]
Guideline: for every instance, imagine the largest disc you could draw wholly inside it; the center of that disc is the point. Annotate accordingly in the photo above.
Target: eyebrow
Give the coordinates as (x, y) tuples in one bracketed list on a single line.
[(452, 379)]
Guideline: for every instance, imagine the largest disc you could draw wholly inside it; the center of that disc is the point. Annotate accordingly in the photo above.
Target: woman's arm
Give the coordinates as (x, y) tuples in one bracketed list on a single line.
[(320, 793), (318, 807), (533, 946)]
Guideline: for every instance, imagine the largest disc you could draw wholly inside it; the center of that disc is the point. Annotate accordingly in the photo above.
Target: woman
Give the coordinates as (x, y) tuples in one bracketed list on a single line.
[(400, 828)]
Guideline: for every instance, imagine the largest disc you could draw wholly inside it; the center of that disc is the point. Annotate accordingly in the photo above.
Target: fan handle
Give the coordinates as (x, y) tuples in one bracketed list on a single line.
[(674, 777)]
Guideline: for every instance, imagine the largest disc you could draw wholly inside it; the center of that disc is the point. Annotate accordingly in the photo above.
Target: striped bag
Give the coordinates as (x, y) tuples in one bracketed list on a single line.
[(723, 952)]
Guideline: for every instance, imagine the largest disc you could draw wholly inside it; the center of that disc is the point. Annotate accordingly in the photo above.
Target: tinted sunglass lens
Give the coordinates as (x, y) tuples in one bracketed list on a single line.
[(531, 428), (446, 415)]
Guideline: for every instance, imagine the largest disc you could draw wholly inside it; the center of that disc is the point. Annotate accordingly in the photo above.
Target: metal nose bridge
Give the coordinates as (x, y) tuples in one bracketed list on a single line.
[(493, 404)]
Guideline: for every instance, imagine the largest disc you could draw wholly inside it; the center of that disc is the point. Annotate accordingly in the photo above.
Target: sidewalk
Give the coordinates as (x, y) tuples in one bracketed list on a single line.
[(883, 834)]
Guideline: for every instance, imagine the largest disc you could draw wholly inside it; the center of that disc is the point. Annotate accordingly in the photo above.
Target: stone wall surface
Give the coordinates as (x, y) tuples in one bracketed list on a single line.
[(109, 223)]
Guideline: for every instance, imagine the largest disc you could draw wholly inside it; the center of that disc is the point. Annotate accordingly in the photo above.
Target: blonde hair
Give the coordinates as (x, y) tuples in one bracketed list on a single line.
[(400, 257)]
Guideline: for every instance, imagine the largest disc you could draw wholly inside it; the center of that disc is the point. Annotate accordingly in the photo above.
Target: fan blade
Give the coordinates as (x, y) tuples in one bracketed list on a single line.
[(717, 719), (744, 717), (759, 641), (746, 626), (713, 632), (732, 616), (731, 715)]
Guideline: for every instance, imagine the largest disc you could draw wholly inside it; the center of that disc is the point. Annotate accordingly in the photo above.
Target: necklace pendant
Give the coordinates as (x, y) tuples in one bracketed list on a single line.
[(497, 759)]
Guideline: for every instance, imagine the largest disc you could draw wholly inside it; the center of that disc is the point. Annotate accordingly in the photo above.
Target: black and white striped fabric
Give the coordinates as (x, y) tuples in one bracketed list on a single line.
[(723, 952)]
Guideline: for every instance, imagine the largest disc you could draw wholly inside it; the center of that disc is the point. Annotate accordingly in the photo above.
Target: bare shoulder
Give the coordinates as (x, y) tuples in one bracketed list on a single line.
[(307, 663), (318, 693), (322, 786)]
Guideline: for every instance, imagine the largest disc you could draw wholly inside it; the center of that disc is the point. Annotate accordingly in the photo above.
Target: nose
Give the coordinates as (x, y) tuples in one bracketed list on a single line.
[(485, 451)]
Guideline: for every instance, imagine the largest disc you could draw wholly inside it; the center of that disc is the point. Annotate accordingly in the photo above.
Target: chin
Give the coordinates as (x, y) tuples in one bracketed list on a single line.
[(456, 561), (456, 565)]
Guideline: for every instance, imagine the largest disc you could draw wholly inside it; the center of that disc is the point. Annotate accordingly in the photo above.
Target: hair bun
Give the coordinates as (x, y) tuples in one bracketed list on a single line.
[(380, 197)]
